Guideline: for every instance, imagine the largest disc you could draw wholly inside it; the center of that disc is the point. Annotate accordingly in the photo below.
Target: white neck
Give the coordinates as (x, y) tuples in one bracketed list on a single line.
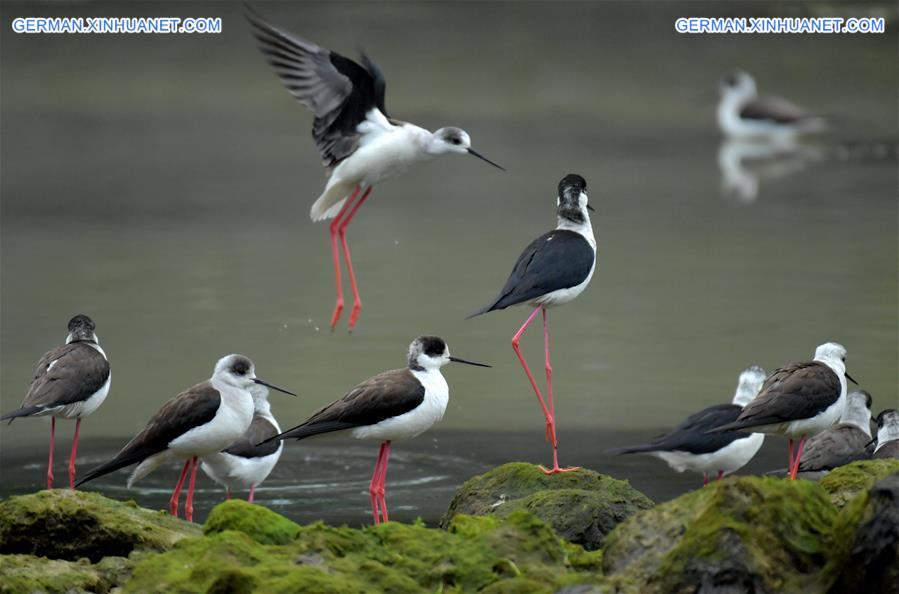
[(856, 413), (889, 432), (585, 229)]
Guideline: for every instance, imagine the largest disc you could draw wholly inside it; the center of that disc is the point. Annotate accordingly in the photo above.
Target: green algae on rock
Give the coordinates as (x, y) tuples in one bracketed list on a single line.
[(517, 554), (582, 507), (751, 534), (259, 523), (67, 524), (865, 541), (29, 574), (846, 482)]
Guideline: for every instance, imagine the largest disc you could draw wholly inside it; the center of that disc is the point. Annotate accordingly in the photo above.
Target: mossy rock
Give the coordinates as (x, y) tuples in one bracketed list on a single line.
[(517, 554), (66, 524), (845, 482), (259, 523), (865, 541), (582, 507), (748, 534), (26, 574)]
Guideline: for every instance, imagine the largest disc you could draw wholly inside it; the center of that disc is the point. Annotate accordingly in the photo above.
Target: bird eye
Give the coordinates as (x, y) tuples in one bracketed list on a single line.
[(844, 359), (456, 140)]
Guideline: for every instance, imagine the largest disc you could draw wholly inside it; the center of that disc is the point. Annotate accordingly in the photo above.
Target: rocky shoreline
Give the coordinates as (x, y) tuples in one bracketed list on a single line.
[(511, 530)]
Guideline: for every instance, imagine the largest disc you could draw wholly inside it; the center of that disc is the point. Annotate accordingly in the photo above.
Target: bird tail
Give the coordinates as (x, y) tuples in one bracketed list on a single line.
[(635, 449), (25, 411), (328, 205), (735, 426), (304, 431)]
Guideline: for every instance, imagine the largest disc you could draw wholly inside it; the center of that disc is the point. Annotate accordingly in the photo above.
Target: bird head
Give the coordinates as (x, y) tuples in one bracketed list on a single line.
[(455, 140), (81, 328)]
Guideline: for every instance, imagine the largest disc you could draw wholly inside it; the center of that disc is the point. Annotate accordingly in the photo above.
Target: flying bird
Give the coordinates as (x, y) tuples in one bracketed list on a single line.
[(202, 420), (799, 400), (553, 270), (71, 382), (690, 446), (360, 144), (391, 406)]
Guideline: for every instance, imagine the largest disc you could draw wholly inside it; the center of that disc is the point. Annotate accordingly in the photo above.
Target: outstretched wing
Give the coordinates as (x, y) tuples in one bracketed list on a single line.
[(556, 260), (337, 90)]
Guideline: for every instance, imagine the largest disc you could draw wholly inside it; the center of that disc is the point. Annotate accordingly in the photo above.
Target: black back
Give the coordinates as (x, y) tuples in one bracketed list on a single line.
[(192, 408), (837, 446), (556, 260), (384, 396), (692, 435)]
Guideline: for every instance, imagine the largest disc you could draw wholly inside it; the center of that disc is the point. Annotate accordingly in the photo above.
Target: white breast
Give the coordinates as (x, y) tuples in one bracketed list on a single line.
[(231, 420), (416, 421)]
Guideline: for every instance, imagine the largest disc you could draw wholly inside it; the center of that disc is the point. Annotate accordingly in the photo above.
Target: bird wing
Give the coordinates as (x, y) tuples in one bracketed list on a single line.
[(381, 397), (775, 109), (692, 435), (194, 407), (793, 392), (251, 445), (837, 446), (556, 260), (338, 91), (888, 450), (67, 374)]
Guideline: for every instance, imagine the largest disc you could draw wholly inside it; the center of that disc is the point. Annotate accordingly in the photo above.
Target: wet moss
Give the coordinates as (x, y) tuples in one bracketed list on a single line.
[(28, 574), (519, 554), (259, 523), (67, 524), (759, 534), (582, 507), (845, 482)]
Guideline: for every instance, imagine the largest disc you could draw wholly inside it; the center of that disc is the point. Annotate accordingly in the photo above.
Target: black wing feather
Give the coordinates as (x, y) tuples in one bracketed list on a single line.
[(193, 407), (381, 397), (556, 260), (692, 435), (250, 444), (834, 447)]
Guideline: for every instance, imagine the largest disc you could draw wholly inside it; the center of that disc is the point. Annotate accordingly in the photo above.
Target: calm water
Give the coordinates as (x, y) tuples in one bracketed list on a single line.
[(161, 184)]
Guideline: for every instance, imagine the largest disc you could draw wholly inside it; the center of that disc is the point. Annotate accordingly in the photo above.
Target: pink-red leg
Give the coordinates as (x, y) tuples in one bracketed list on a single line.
[(52, 445), (357, 300), (790, 454), (189, 504), (551, 424), (228, 493), (720, 475), (252, 494), (382, 483), (176, 494), (373, 485), (516, 340), (72, 456), (705, 479), (335, 254), (795, 469)]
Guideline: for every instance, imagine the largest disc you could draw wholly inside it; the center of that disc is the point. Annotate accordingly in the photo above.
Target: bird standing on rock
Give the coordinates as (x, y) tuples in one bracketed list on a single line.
[(553, 270)]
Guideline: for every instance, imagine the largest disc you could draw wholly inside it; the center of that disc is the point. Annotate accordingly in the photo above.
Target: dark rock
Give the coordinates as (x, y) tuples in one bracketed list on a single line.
[(582, 507)]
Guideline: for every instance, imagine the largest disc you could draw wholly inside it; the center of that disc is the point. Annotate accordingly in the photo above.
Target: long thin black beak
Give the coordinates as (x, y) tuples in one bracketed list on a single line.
[(458, 360), (590, 208), (849, 377), (471, 151), (268, 385)]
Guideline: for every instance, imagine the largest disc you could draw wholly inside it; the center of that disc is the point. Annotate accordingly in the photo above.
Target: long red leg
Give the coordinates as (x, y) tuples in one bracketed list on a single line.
[(252, 493), (72, 457), (382, 484), (790, 454), (357, 301), (705, 479), (551, 423), (228, 493), (373, 485), (795, 470), (189, 504), (176, 494), (335, 254), (52, 445), (720, 474)]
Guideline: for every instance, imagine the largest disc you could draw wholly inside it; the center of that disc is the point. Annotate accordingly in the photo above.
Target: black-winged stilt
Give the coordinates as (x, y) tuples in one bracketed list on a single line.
[(844, 442)]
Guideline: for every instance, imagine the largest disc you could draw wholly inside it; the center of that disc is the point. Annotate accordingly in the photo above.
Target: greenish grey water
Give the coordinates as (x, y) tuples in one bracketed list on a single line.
[(161, 184)]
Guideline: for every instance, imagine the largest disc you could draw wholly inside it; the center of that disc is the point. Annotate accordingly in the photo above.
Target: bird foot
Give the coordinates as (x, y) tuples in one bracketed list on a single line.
[(558, 469)]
